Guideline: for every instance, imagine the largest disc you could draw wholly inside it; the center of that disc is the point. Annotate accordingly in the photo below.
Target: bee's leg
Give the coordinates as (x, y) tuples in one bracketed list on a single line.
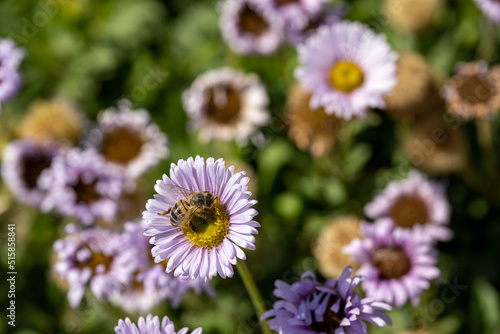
[(166, 212)]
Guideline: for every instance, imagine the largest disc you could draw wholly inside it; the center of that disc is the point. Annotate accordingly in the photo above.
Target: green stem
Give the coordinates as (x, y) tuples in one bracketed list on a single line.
[(486, 48), (485, 139), (253, 291)]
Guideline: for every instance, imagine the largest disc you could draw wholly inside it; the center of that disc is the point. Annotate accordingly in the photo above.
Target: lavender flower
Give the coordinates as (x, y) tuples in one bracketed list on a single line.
[(150, 284), (150, 325), (348, 68), (127, 138), (398, 264), (80, 184), (490, 9), (412, 201), (226, 104), (10, 79), (91, 258), (208, 243), (250, 28), (296, 14), (308, 307), (23, 163), (296, 35)]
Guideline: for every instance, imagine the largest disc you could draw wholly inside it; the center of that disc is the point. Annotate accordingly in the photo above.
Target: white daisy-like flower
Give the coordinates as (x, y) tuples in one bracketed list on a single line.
[(348, 68), (210, 240), (128, 138), (249, 27), (414, 201), (226, 104)]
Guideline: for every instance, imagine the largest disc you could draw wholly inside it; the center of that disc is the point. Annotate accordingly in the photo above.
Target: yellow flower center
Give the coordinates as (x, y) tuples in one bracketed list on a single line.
[(207, 229), (346, 76)]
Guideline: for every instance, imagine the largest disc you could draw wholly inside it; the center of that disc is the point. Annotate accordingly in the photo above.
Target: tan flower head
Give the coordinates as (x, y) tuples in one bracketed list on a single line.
[(417, 89), (312, 130), (411, 15), (474, 92), (327, 249), (436, 146), (52, 120)]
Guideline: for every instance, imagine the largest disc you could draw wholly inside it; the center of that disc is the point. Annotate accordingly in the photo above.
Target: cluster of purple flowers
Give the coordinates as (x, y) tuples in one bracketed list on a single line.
[(88, 182), (397, 254), (117, 266), (262, 26), (309, 307), (10, 78)]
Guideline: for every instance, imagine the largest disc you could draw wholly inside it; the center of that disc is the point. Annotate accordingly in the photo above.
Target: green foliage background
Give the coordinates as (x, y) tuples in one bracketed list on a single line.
[(97, 52)]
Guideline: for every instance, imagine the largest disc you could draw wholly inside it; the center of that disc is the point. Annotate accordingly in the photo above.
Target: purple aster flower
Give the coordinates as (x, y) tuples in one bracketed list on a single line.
[(412, 201), (308, 307), (150, 325), (23, 163), (296, 13), (220, 222), (348, 68), (10, 55), (10, 82), (81, 184), (297, 35), (226, 104), (150, 284), (91, 257), (397, 264), (251, 28), (10, 79), (490, 9), (127, 138)]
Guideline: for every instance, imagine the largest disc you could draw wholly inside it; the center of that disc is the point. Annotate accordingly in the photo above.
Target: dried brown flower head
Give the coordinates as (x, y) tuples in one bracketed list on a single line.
[(411, 15), (436, 146), (312, 131), (327, 249), (474, 91), (417, 90), (52, 120)]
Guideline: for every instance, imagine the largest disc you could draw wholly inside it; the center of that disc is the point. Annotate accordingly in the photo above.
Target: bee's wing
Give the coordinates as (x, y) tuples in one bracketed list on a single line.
[(177, 192)]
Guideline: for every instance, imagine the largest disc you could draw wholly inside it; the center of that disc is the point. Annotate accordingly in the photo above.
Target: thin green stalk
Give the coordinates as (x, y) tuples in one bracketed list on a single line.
[(254, 293), (485, 138)]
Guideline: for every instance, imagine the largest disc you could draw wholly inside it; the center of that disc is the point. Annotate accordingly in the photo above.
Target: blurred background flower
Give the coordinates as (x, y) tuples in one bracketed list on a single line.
[(66, 68)]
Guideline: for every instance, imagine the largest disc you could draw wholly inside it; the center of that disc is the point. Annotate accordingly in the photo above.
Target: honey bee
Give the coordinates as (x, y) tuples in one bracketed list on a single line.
[(190, 203)]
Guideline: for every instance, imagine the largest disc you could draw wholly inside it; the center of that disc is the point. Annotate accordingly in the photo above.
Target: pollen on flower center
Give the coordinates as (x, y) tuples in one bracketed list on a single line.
[(86, 193), (121, 145), (409, 211), (346, 76), (224, 104), (250, 21), (208, 229), (392, 262), (95, 260)]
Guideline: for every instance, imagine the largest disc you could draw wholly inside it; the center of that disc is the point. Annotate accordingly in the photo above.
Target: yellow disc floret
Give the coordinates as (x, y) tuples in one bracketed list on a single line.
[(209, 228), (346, 76)]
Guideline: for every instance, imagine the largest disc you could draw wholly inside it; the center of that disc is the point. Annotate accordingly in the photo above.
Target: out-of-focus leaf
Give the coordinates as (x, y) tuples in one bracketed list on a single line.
[(357, 158), (334, 191), (487, 305), (288, 205), (271, 159)]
